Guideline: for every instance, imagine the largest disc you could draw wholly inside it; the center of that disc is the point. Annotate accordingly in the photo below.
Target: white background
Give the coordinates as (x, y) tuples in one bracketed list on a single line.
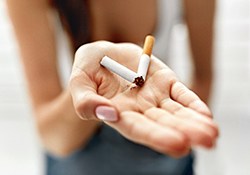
[(20, 150)]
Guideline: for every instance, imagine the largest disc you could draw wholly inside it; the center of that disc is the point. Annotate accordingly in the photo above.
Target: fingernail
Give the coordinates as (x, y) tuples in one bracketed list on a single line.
[(106, 113)]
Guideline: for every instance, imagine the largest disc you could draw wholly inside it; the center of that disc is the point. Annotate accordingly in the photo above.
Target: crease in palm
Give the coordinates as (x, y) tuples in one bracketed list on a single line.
[(161, 114)]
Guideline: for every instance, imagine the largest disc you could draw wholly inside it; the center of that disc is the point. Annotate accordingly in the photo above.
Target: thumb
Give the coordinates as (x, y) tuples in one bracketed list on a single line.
[(88, 104)]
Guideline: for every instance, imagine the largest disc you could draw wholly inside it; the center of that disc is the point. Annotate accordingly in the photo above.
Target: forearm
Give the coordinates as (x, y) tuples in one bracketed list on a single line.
[(202, 88), (200, 21), (61, 130)]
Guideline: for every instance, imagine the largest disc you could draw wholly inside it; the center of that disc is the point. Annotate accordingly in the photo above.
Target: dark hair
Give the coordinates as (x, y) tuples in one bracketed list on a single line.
[(74, 16)]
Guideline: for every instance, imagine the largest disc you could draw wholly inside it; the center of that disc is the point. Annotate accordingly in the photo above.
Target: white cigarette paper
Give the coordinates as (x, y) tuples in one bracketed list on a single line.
[(145, 57), (118, 69), (143, 66)]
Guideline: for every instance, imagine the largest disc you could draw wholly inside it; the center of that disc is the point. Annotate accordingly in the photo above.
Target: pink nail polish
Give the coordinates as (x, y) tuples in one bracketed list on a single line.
[(106, 113)]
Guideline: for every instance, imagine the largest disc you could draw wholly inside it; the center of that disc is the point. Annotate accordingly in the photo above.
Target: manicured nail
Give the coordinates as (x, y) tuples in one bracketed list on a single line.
[(106, 113)]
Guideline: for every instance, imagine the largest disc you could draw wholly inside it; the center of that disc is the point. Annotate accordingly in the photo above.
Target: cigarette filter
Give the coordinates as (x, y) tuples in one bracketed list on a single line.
[(148, 45), (145, 57)]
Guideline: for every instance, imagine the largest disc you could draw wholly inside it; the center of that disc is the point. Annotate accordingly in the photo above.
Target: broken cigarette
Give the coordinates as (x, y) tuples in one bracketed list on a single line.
[(145, 57), (118, 69), (133, 77)]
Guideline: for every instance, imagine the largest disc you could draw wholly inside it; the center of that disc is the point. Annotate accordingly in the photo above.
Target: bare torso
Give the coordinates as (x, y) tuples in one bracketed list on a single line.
[(119, 20)]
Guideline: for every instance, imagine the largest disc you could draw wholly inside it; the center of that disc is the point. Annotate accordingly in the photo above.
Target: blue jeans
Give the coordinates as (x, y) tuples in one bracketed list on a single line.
[(108, 153)]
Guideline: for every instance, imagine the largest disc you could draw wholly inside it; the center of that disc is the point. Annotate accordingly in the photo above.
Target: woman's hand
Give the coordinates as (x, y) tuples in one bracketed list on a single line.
[(163, 114)]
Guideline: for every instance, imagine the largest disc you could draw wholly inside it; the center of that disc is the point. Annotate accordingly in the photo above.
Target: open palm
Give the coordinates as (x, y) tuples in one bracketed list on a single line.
[(163, 114)]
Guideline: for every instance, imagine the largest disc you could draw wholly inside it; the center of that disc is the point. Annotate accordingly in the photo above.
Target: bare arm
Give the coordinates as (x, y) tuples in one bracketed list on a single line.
[(200, 19), (61, 129)]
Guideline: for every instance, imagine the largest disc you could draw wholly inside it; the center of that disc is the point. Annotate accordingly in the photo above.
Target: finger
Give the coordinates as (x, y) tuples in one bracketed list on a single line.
[(138, 128), (88, 104), (188, 98), (188, 114), (177, 109), (198, 133), (160, 84)]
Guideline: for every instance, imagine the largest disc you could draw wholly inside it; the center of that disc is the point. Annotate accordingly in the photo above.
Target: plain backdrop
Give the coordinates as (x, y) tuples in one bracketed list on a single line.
[(21, 151)]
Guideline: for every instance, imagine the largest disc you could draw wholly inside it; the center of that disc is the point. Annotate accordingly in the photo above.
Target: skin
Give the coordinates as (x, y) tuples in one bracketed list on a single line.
[(199, 16), (58, 122), (163, 114)]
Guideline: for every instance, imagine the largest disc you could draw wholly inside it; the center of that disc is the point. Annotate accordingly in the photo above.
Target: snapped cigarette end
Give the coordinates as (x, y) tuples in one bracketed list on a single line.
[(139, 81), (136, 78), (148, 45)]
